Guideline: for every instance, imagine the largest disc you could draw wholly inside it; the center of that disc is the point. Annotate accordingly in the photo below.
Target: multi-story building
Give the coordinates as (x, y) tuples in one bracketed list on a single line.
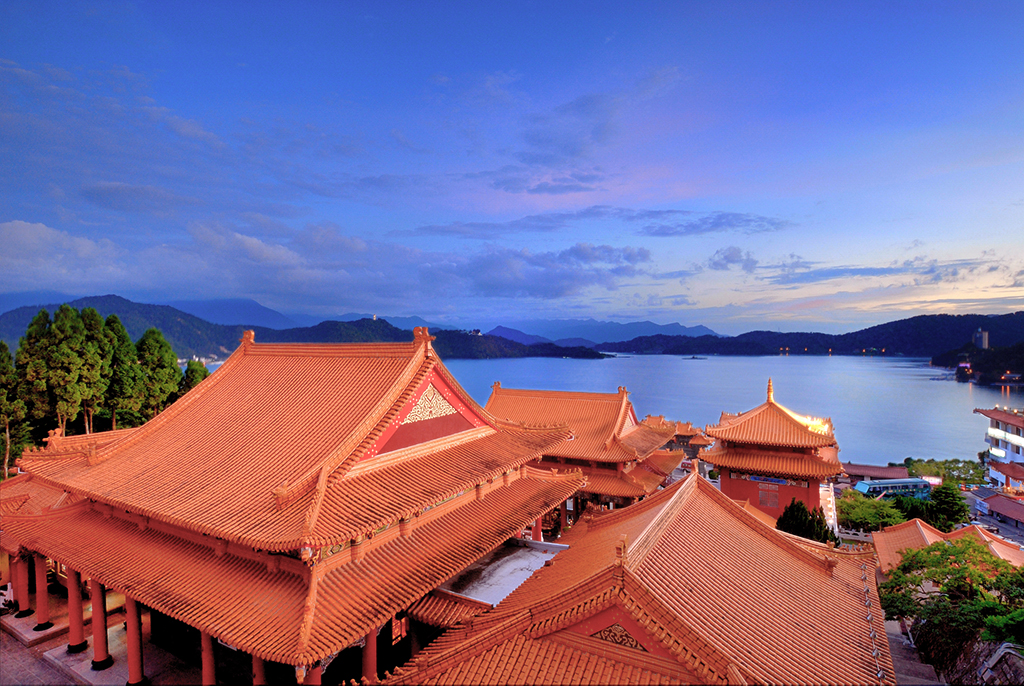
[(1005, 434)]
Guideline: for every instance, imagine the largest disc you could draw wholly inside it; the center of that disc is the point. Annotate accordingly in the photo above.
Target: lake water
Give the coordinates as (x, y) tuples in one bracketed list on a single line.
[(883, 409)]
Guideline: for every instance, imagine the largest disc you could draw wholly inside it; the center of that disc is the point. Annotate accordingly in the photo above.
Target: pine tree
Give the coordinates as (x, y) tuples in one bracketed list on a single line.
[(160, 371), (796, 519), (64, 356), (96, 358), (948, 507), (195, 372), (124, 392), (33, 368), (12, 408)]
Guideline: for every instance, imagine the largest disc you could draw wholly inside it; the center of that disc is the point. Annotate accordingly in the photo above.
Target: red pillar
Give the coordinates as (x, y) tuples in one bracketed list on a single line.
[(259, 672), (313, 675), (538, 535), (19, 576), (76, 622), (209, 667), (564, 511), (101, 658), (42, 596), (370, 657), (135, 671)]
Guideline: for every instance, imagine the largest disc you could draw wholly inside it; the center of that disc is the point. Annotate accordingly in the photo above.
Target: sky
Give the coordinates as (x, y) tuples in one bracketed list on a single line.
[(820, 166)]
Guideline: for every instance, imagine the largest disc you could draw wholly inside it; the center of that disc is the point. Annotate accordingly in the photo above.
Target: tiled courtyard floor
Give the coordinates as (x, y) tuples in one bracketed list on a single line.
[(20, 664)]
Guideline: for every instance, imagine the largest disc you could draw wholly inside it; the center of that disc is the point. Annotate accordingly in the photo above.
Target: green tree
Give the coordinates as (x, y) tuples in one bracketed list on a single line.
[(796, 519), (12, 408), (124, 392), (64, 357), (866, 514), (33, 368), (951, 589), (195, 372), (160, 373), (96, 354), (948, 507)]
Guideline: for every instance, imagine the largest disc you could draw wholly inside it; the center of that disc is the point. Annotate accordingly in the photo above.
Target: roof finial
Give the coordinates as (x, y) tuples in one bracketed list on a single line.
[(771, 394)]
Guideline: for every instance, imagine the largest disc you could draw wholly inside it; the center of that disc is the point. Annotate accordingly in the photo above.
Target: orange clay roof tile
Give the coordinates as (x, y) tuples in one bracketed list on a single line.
[(262, 608), (253, 453), (1011, 418), (771, 424), (798, 465), (717, 587), (440, 608), (604, 425), (891, 541)]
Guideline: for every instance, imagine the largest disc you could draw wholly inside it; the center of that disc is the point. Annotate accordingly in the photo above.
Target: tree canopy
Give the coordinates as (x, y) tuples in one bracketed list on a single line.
[(796, 519), (866, 514), (952, 590)]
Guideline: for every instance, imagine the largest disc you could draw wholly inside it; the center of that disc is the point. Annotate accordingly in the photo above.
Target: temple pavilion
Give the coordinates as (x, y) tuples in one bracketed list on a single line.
[(682, 587), (291, 508), (770, 455), (620, 456)]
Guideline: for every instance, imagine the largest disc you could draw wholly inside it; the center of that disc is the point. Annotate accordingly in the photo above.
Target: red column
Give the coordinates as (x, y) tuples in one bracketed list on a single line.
[(42, 596), (19, 576), (538, 535), (76, 623), (101, 659), (259, 673), (135, 671), (313, 675), (564, 511), (370, 657), (209, 667)]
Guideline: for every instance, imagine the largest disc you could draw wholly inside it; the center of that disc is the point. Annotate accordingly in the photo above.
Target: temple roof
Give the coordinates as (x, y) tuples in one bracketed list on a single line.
[(604, 425), (286, 445), (684, 586), (270, 605), (891, 541), (771, 424), (821, 464), (1006, 506)]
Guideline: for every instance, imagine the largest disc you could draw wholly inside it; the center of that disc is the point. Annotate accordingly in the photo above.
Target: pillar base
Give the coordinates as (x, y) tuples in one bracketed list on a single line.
[(43, 627), (144, 682), (100, 665), (78, 647), (27, 612)]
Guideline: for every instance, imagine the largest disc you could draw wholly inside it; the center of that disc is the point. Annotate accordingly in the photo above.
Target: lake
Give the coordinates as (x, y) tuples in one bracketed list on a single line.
[(884, 409)]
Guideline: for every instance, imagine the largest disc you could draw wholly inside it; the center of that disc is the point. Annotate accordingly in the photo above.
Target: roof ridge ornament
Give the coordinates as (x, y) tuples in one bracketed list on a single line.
[(247, 339), (771, 393)]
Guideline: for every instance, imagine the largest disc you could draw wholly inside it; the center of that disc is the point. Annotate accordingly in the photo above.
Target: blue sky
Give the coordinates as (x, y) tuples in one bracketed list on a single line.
[(789, 166)]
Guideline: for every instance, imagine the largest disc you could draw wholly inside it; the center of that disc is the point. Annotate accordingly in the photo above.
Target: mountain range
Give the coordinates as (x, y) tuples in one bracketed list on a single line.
[(192, 335)]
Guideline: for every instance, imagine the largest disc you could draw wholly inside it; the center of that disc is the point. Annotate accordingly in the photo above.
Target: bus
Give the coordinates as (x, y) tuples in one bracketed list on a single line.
[(915, 488)]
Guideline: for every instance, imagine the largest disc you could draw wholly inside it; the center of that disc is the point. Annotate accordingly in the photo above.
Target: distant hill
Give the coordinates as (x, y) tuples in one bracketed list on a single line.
[(921, 336), (602, 331), (234, 311), (189, 335), (517, 335)]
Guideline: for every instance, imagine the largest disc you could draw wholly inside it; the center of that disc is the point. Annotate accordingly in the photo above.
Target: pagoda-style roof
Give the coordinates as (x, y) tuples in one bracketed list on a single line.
[(604, 425), (683, 587), (892, 541), (274, 606), (295, 499), (253, 453), (771, 424), (783, 463)]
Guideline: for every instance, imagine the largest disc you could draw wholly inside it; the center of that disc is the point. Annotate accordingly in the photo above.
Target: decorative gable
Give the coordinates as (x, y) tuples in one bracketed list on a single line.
[(434, 411), (619, 636)]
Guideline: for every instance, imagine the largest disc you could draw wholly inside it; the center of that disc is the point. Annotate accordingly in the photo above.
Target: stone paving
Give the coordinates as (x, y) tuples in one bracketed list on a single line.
[(20, 664)]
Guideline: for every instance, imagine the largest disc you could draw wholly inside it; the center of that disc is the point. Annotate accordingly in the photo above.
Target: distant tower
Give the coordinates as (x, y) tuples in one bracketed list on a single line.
[(981, 339)]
